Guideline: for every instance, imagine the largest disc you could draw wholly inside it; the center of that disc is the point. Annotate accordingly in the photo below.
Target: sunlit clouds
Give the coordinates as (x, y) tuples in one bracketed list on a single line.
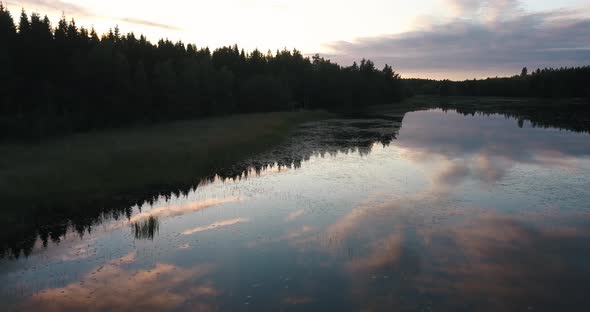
[(215, 225), (479, 155), (295, 215), (264, 24), (182, 208), (479, 39), (114, 286)]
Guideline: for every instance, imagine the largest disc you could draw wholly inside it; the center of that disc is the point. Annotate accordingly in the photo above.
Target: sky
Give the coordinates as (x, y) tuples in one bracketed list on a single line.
[(455, 39)]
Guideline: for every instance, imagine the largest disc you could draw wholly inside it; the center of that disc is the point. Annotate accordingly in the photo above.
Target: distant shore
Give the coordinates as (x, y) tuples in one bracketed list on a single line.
[(571, 114)]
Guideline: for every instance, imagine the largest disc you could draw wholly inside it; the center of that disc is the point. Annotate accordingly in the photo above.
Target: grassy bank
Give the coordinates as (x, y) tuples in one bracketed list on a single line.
[(96, 165), (79, 174)]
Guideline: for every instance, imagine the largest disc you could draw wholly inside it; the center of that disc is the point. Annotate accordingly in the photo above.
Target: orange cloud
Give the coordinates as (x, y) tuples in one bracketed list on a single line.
[(295, 215), (385, 252), (215, 225), (176, 210), (110, 287)]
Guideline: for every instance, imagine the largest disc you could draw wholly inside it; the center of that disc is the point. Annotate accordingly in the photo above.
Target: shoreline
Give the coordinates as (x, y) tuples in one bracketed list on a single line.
[(83, 175)]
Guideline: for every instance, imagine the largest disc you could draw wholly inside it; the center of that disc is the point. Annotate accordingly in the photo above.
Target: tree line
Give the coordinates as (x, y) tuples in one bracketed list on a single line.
[(543, 83), (65, 79)]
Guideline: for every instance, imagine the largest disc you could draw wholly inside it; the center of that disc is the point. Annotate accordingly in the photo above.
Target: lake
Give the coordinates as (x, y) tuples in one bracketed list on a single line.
[(425, 211)]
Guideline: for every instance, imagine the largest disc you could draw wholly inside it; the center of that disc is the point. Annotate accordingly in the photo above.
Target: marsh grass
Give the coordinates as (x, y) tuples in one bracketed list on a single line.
[(64, 177), (94, 164), (146, 229)]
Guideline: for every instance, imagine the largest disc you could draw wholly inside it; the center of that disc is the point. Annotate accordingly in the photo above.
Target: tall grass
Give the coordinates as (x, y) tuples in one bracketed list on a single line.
[(72, 176)]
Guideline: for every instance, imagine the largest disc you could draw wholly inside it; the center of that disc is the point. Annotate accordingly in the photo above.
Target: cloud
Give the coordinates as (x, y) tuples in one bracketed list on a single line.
[(510, 261), (462, 7), (77, 11), (488, 262), (467, 149), (366, 211), (215, 225), (295, 215), (453, 174), (490, 10), (492, 37), (296, 237), (114, 286), (377, 208), (181, 209), (383, 253), (138, 21), (484, 168), (55, 5)]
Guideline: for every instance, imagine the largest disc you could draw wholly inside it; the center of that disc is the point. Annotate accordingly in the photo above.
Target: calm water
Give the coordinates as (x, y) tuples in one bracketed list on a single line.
[(446, 213)]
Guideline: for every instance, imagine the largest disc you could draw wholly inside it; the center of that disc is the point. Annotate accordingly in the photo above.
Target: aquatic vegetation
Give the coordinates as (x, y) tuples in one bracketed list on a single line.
[(146, 229)]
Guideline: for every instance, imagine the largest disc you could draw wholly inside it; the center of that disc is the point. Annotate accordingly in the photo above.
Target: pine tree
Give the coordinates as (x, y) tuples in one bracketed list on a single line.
[(7, 39), (7, 27), (61, 30), (23, 24), (94, 37)]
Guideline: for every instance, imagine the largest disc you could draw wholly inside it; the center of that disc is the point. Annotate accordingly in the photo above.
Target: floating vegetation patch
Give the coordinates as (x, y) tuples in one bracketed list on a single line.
[(146, 229)]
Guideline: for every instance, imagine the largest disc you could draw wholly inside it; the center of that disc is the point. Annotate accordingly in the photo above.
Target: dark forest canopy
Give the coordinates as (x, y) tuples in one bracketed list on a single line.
[(543, 83), (65, 79)]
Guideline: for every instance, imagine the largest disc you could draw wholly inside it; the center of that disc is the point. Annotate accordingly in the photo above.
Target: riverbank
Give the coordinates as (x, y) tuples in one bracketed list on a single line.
[(95, 165), (85, 174)]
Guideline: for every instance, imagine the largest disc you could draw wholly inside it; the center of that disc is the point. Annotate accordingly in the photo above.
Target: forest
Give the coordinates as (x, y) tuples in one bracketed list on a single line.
[(542, 83), (68, 79)]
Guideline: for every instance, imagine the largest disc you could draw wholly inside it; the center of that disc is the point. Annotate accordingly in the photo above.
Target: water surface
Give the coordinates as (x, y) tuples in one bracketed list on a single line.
[(438, 212)]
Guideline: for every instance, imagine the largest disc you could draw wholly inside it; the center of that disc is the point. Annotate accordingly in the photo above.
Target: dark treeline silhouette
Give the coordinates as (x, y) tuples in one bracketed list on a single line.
[(543, 83), (51, 223), (65, 79)]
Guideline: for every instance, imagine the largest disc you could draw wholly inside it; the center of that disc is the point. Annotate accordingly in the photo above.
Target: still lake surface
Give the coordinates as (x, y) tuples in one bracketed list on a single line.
[(435, 212)]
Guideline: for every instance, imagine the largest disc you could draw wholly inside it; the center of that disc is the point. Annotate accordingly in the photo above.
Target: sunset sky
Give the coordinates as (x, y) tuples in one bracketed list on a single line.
[(457, 39)]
